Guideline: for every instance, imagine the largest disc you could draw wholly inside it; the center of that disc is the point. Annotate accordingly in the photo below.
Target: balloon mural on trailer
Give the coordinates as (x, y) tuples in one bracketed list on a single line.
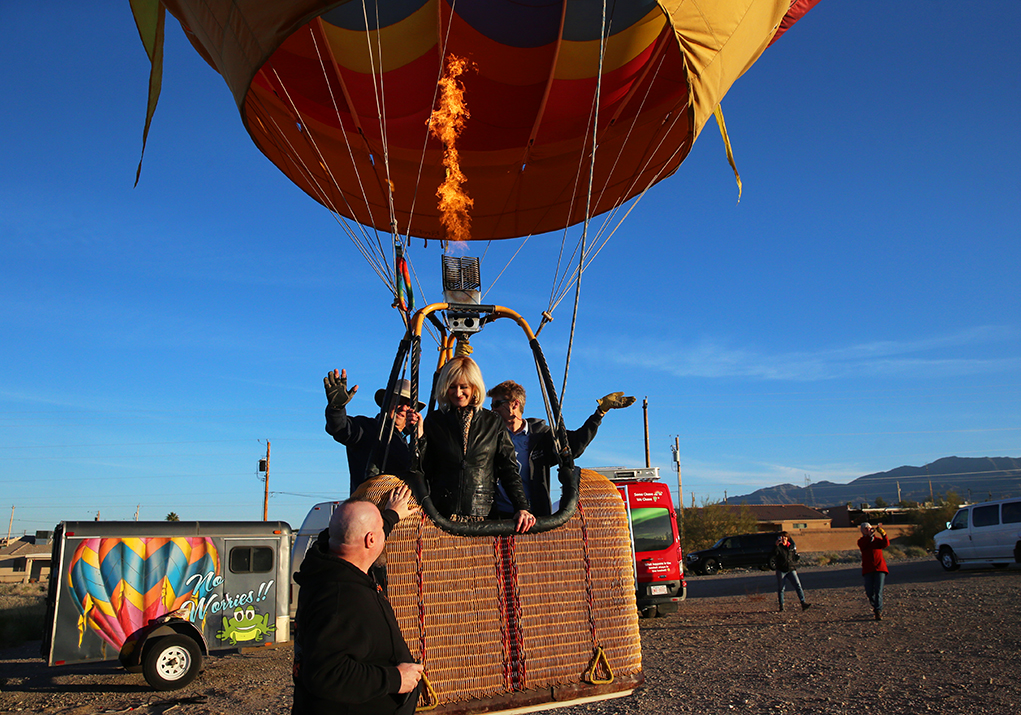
[(119, 585), (340, 96)]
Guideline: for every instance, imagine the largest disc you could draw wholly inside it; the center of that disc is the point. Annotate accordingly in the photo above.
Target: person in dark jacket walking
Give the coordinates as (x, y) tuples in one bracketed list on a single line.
[(360, 434), (785, 555), (349, 655), (533, 443), (873, 565), (466, 450)]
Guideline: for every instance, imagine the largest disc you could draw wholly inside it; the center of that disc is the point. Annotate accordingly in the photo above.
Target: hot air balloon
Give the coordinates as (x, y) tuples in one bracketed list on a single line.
[(478, 120), (119, 585), (339, 96)]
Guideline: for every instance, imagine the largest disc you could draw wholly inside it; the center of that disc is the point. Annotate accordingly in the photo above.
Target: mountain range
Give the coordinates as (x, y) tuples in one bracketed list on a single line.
[(971, 478)]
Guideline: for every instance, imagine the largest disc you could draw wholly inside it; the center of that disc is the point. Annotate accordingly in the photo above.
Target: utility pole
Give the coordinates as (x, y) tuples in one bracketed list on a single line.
[(680, 490), (136, 511), (264, 467), (645, 409), (10, 525)]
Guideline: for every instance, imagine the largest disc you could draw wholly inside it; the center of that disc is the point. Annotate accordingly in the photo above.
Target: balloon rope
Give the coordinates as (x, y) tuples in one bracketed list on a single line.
[(325, 198), (379, 94), (558, 282), (340, 123), (565, 284), (379, 265), (588, 204), (612, 214), (509, 260)]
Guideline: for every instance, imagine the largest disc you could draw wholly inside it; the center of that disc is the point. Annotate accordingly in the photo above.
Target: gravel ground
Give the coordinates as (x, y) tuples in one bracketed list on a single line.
[(949, 643)]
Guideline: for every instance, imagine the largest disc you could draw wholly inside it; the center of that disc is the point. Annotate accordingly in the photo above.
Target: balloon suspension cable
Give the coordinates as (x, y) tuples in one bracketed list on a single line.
[(605, 233), (588, 205), (379, 91), (374, 255)]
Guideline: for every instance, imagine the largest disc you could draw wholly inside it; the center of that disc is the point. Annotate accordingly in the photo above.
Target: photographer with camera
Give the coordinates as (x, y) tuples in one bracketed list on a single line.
[(785, 555), (873, 565)]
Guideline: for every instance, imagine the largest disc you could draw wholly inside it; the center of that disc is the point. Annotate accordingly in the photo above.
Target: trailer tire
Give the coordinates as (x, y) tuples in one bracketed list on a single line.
[(171, 662)]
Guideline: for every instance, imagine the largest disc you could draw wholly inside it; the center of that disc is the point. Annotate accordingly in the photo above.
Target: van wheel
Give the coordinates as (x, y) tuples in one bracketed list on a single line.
[(947, 559), (710, 567), (171, 662), (1000, 566), (772, 563), (650, 612)]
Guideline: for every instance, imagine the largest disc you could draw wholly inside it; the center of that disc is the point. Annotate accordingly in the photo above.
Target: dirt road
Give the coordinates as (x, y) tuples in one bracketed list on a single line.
[(950, 643)]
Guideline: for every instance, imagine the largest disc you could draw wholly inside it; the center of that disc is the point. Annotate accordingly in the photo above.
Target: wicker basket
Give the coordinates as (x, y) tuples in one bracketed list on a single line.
[(523, 622)]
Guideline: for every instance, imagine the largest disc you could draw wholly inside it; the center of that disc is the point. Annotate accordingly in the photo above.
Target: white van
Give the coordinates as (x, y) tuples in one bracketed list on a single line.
[(988, 533)]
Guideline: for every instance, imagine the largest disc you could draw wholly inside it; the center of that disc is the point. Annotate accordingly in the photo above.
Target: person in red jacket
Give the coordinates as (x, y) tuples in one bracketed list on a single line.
[(873, 565)]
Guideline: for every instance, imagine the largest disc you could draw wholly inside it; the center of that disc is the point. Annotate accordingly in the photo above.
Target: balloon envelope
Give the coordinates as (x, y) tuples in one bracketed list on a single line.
[(339, 95)]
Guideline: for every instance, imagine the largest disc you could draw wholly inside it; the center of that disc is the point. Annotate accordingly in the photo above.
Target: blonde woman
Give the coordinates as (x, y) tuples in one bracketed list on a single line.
[(466, 449)]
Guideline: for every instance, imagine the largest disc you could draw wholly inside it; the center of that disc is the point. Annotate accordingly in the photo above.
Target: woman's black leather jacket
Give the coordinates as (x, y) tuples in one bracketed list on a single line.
[(464, 483)]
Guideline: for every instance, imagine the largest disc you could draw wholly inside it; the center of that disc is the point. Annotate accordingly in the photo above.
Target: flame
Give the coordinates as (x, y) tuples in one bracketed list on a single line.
[(446, 123)]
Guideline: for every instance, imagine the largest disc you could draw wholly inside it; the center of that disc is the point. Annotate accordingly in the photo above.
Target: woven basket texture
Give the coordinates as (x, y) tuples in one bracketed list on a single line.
[(490, 616)]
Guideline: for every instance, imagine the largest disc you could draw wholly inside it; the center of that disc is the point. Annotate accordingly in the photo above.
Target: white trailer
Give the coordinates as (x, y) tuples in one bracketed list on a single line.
[(158, 596)]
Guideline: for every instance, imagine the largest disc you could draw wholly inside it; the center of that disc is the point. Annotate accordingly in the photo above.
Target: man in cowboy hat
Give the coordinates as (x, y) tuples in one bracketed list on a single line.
[(361, 434)]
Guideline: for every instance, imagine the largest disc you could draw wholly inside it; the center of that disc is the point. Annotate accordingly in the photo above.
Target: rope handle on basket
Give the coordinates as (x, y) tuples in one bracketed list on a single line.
[(590, 674), (431, 696)]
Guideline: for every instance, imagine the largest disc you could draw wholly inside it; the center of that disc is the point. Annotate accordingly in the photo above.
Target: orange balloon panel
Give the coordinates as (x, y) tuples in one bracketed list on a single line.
[(341, 102)]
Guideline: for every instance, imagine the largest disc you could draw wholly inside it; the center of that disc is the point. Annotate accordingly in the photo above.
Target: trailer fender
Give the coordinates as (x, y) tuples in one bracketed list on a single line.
[(133, 652)]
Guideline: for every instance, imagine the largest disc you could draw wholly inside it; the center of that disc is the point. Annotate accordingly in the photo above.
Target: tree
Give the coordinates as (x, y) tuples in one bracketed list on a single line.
[(704, 526), (929, 522), (880, 502), (172, 516)]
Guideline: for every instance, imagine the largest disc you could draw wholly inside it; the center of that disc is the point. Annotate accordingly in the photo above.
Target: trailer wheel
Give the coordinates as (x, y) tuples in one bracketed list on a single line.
[(171, 662)]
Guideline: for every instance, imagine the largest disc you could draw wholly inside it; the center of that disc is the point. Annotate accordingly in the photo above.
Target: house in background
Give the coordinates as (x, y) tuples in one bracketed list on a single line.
[(783, 517), (27, 559), (812, 529)]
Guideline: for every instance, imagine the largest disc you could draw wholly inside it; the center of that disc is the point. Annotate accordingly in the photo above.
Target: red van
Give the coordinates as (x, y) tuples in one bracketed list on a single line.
[(659, 572)]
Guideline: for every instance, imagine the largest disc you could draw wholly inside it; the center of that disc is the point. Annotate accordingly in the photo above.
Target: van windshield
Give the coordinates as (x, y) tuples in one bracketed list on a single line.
[(960, 520), (653, 531)]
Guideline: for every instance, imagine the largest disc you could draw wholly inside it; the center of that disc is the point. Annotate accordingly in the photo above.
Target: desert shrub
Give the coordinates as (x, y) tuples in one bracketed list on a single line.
[(929, 522), (705, 526), (818, 558), (916, 552), (822, 558), (830, 558), (22, 612)]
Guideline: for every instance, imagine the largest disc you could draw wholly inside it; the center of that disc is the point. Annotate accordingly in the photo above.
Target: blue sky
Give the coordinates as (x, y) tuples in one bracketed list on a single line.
[(857, 310)]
